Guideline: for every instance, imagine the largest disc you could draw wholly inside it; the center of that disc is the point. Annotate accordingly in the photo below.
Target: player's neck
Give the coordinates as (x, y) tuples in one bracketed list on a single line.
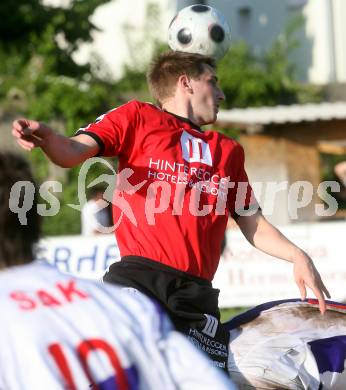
[(181, 110)]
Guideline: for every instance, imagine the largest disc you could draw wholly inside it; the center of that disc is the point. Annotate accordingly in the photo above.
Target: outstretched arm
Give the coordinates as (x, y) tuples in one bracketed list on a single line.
[(265, 237), (61, 150)]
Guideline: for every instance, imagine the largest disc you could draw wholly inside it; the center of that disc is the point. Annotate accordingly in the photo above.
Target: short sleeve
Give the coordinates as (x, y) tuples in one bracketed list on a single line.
[(241, 197), (115, 130)]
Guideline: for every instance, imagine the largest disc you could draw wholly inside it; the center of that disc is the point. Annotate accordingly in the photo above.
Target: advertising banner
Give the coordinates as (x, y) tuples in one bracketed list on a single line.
[(245, 276)]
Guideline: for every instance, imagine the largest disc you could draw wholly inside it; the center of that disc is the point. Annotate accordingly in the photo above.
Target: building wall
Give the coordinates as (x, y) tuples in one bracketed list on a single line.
[(339, 15), (321, 57), (265, 167), (288, 153), (319, 26)]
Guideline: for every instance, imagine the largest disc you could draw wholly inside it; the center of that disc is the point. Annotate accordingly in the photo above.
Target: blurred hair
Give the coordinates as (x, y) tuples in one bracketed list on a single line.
[(16, 240), (166, 69), (96, 191)]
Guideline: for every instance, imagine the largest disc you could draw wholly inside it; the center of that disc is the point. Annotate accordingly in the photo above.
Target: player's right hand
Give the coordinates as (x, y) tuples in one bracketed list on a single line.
[(29, 133), (306, 274)]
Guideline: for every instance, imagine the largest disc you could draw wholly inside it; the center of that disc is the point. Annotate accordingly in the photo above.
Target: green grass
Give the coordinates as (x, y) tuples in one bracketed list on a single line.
[(226, 314)]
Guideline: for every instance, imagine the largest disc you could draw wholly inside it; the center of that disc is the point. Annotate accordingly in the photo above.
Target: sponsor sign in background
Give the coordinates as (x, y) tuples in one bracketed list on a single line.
[(248, 277), (87, 257), (245, 276)]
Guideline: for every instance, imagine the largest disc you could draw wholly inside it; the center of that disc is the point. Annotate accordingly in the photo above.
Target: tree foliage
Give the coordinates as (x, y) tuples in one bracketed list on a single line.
[(29, 29), (250, 80), (40, 79)]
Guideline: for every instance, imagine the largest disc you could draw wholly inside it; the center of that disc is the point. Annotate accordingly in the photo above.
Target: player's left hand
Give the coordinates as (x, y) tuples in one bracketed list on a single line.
[(306, 274)]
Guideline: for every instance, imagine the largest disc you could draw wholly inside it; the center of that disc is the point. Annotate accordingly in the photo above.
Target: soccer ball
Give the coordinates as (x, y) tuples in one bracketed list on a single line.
[(200, 29)]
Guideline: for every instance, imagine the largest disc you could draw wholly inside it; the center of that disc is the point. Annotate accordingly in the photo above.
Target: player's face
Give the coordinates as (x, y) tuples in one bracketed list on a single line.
[(206, 96)]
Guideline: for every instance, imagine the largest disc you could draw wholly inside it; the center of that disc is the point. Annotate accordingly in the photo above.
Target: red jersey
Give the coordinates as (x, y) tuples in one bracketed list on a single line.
[(177, 186)]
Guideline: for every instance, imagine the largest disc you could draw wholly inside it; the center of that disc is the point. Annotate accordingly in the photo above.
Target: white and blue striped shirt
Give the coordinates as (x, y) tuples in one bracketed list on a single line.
[(59, 332)]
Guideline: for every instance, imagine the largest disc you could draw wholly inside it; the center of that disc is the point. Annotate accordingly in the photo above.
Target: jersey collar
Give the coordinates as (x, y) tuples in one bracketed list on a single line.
[(186, 120)]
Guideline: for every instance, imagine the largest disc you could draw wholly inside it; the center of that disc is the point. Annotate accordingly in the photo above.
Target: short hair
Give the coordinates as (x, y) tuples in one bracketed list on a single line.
[(95, 191), (166, 69), (16, 239)]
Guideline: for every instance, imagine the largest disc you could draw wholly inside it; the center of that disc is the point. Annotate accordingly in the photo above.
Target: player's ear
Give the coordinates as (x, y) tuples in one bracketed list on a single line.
[(184, 83)]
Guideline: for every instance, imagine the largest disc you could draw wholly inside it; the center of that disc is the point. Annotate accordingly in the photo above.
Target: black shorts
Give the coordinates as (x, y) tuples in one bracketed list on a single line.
[(191, 302)]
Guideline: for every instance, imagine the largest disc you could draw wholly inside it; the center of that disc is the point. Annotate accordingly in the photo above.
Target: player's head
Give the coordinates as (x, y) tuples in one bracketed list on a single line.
[(96, 192), (187, 75), (16, 239)]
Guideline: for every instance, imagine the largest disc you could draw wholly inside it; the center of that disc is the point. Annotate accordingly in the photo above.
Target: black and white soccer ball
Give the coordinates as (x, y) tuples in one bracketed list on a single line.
[(200, 29)]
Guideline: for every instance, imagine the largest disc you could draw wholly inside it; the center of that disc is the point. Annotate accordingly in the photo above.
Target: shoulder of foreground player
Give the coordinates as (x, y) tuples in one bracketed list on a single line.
[(40, 275)]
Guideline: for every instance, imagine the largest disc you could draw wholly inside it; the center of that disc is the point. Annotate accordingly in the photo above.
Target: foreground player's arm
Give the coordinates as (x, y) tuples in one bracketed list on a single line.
[(265, 237), (61, 150)]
